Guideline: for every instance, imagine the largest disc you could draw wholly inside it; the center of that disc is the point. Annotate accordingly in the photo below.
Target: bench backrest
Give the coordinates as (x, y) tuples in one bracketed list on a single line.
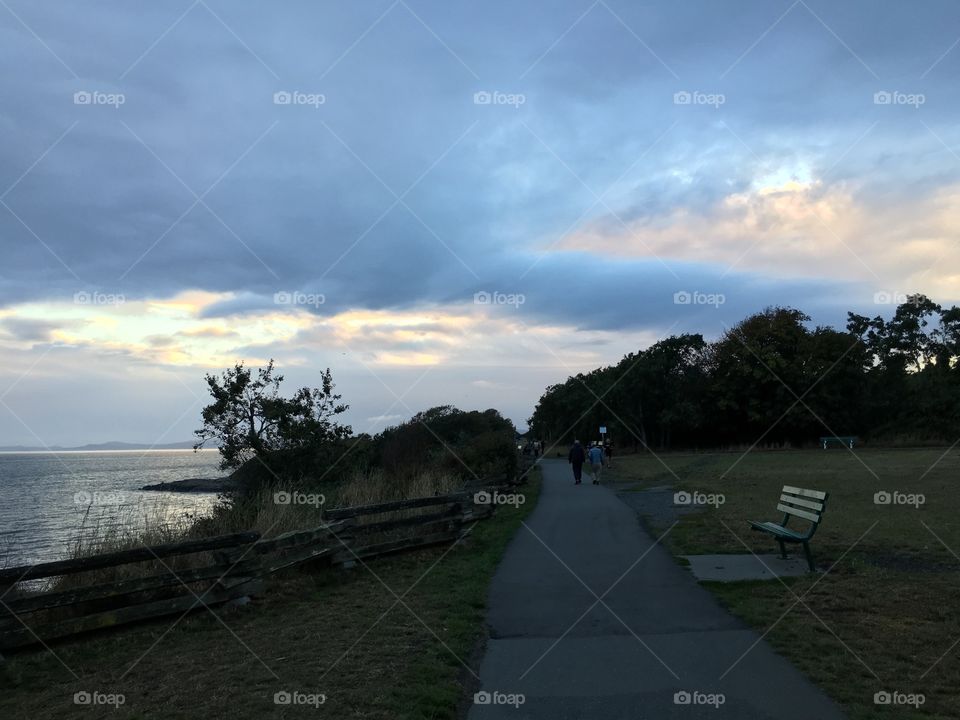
[(801, 503)]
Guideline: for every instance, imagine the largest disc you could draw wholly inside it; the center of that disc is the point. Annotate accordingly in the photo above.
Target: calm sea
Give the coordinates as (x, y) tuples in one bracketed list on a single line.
[(49, 501)]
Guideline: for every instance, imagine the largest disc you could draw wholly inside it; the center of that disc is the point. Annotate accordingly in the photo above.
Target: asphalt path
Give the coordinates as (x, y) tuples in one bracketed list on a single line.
[(590, 617)]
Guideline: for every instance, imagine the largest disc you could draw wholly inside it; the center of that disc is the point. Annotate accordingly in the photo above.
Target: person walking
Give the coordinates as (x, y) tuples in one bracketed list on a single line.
[(596, 462), (576, 458)]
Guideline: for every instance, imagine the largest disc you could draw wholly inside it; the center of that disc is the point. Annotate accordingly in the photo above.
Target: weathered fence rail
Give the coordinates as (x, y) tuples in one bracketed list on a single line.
[(234, 566), (123, 557)]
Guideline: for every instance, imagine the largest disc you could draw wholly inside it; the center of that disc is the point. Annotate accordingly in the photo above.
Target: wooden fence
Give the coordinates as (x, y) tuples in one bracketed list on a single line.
[(175, 578)]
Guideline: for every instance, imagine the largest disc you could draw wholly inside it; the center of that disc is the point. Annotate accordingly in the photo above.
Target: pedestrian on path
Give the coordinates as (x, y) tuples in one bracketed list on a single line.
[(576, 458), (596, 462)]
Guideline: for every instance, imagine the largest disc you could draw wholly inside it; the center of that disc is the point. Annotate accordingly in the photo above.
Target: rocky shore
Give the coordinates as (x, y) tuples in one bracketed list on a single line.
[(196, 485)]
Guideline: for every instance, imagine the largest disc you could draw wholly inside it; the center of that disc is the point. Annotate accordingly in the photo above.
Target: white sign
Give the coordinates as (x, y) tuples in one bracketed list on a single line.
[(603, 429)]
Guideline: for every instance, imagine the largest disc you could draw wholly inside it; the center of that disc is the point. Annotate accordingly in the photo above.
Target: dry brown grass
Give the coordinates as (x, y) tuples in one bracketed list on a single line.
[(337, 632), (265, 512), (372, 486), (271, 512), (881, 618)]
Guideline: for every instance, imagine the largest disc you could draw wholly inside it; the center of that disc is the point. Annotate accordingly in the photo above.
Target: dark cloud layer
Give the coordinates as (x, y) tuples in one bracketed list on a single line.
[(306, 196)]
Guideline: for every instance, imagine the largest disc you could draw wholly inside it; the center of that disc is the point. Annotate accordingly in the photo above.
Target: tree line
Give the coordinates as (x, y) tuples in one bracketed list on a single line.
[(775, 381)]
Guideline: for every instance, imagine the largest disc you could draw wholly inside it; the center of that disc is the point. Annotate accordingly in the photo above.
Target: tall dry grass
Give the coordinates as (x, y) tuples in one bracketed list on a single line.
[(132, 526), (270, 511), (368, 487)]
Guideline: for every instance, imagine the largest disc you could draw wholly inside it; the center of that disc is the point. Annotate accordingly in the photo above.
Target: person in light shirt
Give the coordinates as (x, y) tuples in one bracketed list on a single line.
[(595, 455)]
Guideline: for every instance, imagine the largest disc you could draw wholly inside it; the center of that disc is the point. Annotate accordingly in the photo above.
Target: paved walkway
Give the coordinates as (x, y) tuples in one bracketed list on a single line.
[(655, 633)]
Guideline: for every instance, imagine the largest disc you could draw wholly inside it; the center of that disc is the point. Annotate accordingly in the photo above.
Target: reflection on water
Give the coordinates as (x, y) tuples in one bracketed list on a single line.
[(51, 501)]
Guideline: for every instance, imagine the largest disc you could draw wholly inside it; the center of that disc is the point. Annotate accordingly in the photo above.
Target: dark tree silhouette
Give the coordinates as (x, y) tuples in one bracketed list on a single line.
[(249, 418), (772, 380)]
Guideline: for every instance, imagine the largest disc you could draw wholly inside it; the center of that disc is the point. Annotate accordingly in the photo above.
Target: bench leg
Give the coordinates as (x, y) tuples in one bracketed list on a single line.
[(783, 549), (806, 550)]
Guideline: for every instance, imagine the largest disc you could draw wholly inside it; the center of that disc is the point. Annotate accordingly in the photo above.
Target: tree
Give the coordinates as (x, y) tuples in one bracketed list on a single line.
[(249, 418), (908, 331), (835, 385), (677, 372), (468, 444), (758, 374), (773, 379)]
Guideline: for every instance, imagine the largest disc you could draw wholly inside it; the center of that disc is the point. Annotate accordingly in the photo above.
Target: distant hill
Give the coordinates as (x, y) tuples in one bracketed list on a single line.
[(185, 445)]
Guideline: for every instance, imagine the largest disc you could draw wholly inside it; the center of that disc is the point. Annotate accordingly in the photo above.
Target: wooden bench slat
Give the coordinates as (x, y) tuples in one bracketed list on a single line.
[(812, 505), (812, 517), (816, 494), (778, 530)]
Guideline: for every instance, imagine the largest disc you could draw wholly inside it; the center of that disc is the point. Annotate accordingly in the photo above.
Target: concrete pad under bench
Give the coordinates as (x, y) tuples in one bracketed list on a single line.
[(733, 568)]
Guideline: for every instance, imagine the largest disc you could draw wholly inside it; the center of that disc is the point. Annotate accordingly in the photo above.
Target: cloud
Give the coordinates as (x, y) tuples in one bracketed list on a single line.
[(598, 198), (803, 229), (160, 341), (211, 331), (305, 197), (28, 330), (386, 419)]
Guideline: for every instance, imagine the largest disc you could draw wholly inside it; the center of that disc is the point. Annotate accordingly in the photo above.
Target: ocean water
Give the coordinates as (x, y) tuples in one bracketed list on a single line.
[(49, 501)]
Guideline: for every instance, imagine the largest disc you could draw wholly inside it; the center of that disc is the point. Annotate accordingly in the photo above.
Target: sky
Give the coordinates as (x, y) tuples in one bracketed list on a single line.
[(447, 202)]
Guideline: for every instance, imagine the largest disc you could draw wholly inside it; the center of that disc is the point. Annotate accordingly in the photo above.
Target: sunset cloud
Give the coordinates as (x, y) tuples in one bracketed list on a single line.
[(799, 229)]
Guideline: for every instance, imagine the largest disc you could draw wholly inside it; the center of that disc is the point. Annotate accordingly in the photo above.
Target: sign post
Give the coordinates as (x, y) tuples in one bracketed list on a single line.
[(603, 434)]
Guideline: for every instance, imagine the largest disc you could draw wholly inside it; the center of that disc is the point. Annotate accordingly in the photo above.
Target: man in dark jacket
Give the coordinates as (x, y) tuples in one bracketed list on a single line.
[(576, 458)]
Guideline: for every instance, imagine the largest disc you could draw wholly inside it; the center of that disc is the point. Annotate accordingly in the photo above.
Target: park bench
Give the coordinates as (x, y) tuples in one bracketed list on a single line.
[(847, 440), (804, 504)]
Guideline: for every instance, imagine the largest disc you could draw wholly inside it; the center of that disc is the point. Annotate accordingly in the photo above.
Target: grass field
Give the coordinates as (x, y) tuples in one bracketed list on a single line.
[(340, 633), (883, 617)]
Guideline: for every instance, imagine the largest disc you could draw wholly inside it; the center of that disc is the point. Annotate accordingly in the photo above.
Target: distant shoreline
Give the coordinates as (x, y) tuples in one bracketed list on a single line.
[(108, 446)]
